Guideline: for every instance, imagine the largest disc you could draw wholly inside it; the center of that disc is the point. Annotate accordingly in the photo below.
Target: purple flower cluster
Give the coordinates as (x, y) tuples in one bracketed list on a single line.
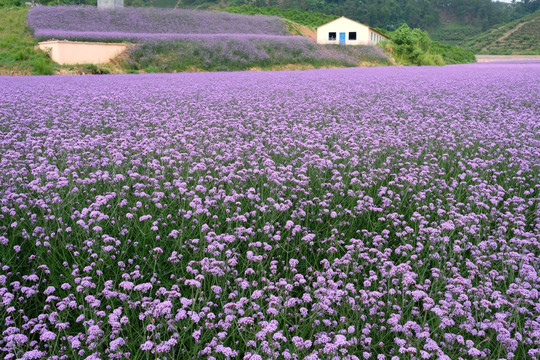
[(87, 22), (367, 213), (245, 51), (112, 36)]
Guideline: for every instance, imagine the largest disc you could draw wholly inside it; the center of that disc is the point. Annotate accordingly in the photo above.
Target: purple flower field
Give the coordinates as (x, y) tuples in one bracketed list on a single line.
[(244, 52), (366, 213), (139, 24)]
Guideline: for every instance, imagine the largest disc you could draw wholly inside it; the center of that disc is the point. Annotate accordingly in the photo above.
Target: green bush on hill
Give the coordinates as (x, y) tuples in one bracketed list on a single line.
[(414, 47), (307, 18), (452, 54)]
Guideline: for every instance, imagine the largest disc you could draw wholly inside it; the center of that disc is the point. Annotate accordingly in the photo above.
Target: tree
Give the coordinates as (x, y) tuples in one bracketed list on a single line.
[(410, 44)]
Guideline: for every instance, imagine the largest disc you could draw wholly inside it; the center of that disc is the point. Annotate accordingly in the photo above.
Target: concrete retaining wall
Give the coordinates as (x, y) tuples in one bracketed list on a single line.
[(489, 58), (75, 52), (110, 4)]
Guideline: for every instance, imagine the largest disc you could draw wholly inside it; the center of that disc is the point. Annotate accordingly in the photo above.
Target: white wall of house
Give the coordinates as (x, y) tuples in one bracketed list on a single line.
[(375, 37), (347, 32)]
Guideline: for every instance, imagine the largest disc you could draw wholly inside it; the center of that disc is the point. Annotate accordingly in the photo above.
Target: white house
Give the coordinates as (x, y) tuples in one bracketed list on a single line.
[(345, 31)]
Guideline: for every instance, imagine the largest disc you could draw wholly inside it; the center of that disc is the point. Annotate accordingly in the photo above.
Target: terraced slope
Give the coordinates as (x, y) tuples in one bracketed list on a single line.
[(518, 37), (130, 23), (176, 40)]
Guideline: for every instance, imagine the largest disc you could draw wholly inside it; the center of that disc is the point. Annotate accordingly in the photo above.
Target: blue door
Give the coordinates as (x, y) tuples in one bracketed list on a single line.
[(341, 38)]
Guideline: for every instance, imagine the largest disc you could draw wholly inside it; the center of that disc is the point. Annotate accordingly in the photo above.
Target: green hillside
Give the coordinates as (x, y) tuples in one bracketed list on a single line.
[(521, 36), (17, 52), (307, 18), (454, 33)]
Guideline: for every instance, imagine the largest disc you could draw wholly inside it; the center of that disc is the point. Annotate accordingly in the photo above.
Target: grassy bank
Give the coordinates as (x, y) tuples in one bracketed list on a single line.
[(307, 18), (17, 53)]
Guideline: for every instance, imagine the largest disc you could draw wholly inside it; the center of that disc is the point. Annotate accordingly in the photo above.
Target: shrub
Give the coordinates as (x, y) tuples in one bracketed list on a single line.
[(414, 47), (452, 54), (410, 44), (41, 66), (94, 69)]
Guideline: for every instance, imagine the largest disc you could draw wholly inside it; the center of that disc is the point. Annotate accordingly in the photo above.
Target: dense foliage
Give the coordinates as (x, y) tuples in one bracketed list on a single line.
[(414, 47), (452, 54), (382, 213), (17, 52), (307, 18)]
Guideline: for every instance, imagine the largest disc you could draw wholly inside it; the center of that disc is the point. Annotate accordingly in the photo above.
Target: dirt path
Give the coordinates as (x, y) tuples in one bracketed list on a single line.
[(510, 32), (301, 30), (308, 32)]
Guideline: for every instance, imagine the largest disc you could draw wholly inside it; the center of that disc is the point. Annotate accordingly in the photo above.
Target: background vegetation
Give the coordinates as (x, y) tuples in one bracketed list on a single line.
[(450, 21), (308, 18), (521, 36)]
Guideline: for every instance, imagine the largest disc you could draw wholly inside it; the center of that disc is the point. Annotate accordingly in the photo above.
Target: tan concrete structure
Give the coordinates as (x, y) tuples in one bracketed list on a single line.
[(110, 4), (345, 31), (75, 52), (489, 58)]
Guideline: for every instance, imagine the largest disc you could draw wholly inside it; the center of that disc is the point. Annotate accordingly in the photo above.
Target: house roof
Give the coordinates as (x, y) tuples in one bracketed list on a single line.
[(340, 18), (378, 32), (359, 23)]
